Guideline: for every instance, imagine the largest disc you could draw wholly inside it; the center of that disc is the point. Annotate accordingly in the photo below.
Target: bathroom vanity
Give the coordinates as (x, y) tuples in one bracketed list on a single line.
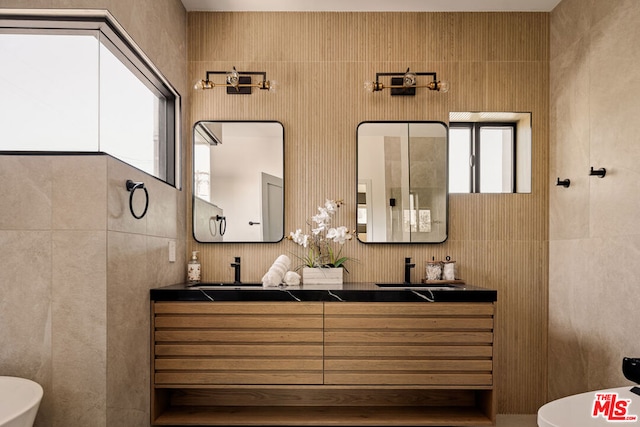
[(353, 354)]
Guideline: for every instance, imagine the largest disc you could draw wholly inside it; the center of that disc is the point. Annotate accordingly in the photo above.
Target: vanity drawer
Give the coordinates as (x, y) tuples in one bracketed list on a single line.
[(443, 344), (237, 343)]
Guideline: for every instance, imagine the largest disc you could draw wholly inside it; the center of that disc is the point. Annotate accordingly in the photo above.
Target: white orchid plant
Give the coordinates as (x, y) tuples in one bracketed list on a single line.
[(321, 253)]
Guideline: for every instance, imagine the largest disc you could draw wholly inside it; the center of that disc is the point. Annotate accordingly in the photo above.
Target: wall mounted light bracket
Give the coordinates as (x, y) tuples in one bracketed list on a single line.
[(243, 88), (398, 89), (237, 82), (405, 84)]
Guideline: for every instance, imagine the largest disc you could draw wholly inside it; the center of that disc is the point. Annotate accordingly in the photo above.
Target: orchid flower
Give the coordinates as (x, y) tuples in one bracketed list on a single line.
[(322, 218), (319, 241), (339, 235), (331, 206), (299, 238)]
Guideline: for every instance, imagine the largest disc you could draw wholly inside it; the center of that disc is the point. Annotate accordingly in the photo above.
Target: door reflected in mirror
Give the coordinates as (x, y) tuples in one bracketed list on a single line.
[(402, 182), (238, 181)]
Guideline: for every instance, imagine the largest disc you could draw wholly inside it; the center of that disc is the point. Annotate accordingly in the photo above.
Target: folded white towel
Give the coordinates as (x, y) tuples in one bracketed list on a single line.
[(271, 279), (291, 278), (285, 260), (278, 269)]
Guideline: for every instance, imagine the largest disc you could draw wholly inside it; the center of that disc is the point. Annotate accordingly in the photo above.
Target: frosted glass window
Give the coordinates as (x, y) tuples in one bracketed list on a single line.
[(73, 86), (496, 159), (482, 157), (128, 116), (49, 87)]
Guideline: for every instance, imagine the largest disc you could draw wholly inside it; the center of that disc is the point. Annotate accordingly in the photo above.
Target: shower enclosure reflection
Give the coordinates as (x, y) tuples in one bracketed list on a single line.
[(238, 170), (402, 182)]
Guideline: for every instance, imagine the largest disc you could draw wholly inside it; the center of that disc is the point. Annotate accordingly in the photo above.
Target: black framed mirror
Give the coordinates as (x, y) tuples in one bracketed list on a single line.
[(402, 182), (238, 181)]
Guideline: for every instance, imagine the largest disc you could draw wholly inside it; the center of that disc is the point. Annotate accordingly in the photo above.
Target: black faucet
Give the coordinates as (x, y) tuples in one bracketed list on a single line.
[(408, 265), (236, 268)]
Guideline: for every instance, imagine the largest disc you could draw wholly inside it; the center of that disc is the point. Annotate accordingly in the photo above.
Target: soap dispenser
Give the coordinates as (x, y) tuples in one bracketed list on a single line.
[(193, 269)]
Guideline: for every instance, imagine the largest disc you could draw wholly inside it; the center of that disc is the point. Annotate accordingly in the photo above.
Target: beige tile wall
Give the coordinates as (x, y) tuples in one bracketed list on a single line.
[(57, 311), (137, 260), (494, 61), (76, 269), (78, 332), (593, 225), (75, 315)]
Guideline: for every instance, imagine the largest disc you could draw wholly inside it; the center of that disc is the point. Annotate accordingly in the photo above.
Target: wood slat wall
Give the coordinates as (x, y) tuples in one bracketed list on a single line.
[(494, 62)]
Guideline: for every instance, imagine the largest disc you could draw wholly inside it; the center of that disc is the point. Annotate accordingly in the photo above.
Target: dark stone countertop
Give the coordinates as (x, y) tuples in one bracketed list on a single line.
[(351, 292)]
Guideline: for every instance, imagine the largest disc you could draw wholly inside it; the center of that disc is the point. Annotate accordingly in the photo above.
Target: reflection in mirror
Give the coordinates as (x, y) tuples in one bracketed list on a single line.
[(238, 170), (402, 182), (489, 152)]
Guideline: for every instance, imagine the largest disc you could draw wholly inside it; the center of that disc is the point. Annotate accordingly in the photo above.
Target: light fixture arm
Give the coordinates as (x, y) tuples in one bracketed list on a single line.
[(378, 75), (240, 73), (237, 82), (405, 83)]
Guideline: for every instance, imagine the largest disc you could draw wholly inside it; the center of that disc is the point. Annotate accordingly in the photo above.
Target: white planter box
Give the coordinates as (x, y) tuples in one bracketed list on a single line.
[(322, 276)]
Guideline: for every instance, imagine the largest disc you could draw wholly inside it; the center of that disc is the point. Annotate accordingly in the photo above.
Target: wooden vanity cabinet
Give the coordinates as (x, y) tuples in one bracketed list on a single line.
[(322, 363)]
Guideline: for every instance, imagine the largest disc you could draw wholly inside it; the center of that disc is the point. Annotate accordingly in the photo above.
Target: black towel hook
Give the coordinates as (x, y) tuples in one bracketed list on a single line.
[(131, 188), (564, 183), (600, 173)]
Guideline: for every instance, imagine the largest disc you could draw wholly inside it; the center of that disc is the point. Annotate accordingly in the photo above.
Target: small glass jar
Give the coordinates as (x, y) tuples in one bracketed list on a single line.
[(433, 270), (449, 269)]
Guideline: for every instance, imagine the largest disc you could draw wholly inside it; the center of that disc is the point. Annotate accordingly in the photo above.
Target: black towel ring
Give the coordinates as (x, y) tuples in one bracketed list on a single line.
[(131, 188), (223, 224)]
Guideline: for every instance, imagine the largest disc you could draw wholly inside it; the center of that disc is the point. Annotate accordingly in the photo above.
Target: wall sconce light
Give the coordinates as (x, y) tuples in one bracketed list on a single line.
[(237, 82), (405, 84)]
